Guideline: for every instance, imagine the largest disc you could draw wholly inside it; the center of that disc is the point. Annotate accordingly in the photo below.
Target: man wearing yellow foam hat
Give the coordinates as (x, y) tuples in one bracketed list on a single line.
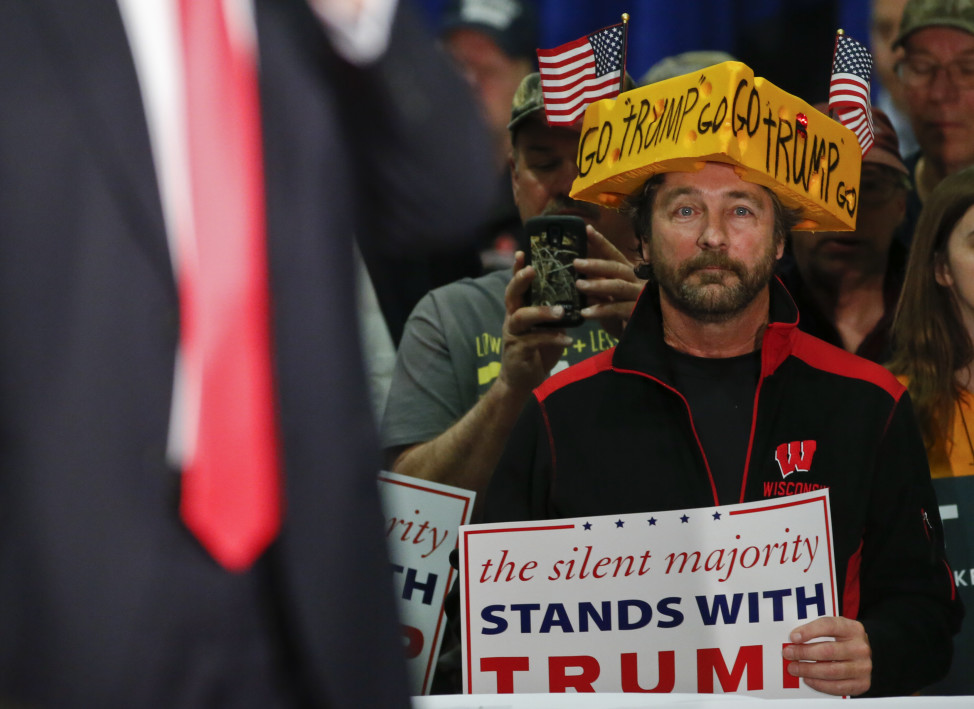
[(713, 396)]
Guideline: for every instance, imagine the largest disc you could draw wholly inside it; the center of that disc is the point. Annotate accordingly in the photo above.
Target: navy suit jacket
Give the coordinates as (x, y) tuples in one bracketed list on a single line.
[(105, 598)]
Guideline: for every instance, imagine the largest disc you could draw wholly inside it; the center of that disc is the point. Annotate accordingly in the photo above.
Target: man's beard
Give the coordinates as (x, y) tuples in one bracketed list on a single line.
[(709, 300)]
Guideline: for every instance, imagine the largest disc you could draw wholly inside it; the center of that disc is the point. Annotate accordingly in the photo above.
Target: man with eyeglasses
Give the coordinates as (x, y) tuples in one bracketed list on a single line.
[(846, 284), (884, 25), (937, 73)]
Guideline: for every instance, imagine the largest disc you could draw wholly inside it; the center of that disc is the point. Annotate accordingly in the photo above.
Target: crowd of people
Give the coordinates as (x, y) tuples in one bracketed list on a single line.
[(395, 174), (496, 422)]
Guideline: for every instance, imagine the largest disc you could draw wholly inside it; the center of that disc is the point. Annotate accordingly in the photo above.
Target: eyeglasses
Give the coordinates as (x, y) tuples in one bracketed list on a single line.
[(917, 72), (878, 192), (878, 189)]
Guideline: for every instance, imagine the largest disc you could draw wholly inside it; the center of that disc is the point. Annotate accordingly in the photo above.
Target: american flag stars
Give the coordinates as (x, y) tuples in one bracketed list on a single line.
[(851, 57), (607, 45), (849, 89), (576, 73)]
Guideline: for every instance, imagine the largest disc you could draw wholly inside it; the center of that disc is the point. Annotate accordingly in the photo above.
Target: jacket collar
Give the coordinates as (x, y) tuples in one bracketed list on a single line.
[(642, 349)]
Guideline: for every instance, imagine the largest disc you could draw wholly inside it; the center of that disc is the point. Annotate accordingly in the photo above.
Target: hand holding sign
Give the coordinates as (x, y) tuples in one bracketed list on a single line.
[(840, 665)]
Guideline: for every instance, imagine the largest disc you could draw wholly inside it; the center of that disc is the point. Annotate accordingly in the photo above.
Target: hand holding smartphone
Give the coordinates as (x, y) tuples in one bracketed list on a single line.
[(554, 244)]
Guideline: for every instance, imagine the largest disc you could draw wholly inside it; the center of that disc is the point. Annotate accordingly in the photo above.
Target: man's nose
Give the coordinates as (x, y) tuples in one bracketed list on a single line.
[(942, 86), (714, 233)]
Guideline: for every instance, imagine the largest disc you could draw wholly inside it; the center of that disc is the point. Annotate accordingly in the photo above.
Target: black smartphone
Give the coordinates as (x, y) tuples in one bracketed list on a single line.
[(554, 243)]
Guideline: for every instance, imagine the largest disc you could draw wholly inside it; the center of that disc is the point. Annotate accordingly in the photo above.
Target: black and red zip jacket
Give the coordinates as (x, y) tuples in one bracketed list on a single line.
[(613, 435)]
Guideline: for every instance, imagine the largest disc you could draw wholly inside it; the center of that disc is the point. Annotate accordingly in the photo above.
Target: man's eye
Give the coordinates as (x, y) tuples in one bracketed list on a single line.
[(966, 68), (684, 211), (922, 68), (742, 212)]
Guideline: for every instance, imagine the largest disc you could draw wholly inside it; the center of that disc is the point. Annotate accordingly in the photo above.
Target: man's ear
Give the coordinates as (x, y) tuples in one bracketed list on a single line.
[(644, 249), (941, 270)]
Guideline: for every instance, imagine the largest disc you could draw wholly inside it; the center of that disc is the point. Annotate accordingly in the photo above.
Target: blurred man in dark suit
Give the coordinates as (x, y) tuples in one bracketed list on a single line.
[(106, 597)]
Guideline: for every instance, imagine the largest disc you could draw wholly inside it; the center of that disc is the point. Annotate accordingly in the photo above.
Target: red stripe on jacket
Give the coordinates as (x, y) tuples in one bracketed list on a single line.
[(582, 370), (835, 360)]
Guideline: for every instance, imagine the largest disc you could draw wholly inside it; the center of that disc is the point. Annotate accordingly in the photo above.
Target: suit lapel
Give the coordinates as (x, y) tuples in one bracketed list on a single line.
[(100, 77)]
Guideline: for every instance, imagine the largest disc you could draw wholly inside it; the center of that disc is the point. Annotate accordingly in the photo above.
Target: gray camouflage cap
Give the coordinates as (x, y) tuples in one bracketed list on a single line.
[(918, 14), (528, 99), (683, 63)]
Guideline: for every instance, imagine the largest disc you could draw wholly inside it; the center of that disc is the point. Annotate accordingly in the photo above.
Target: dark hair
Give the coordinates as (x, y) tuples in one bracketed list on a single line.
[(639, 207), (930, 341)]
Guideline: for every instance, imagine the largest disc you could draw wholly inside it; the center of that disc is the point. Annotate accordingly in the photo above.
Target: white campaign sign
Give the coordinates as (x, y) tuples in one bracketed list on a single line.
[(422, 519), (700, 600)]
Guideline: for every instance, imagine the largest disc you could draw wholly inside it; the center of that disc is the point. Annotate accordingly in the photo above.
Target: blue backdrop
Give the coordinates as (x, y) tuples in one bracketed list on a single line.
[(788, 41)]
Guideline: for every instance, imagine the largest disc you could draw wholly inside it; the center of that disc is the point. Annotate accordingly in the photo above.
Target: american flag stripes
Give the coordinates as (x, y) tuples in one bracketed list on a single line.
[(849, 90), (575, 74)]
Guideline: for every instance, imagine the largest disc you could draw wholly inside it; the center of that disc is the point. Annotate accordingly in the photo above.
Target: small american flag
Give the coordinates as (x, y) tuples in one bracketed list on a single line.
[(579, 72), (849, 90)]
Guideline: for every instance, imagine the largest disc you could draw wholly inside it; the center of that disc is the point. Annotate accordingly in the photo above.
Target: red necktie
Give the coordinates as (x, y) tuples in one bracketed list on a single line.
[(231, 496)]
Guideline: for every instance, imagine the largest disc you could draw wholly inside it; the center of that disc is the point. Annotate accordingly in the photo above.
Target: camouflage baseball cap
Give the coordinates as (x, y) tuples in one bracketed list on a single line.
[(683, 63), (918, 14), (528, 99)]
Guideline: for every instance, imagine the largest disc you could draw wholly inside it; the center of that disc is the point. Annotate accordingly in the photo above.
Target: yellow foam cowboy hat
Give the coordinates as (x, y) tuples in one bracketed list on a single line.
[(722, 113)]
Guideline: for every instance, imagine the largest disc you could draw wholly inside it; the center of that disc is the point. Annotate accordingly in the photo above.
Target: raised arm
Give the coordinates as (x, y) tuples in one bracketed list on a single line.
[(466, 453)]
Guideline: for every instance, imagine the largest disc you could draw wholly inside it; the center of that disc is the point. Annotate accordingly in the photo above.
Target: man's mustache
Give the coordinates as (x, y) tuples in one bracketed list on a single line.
[(712, 259)]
